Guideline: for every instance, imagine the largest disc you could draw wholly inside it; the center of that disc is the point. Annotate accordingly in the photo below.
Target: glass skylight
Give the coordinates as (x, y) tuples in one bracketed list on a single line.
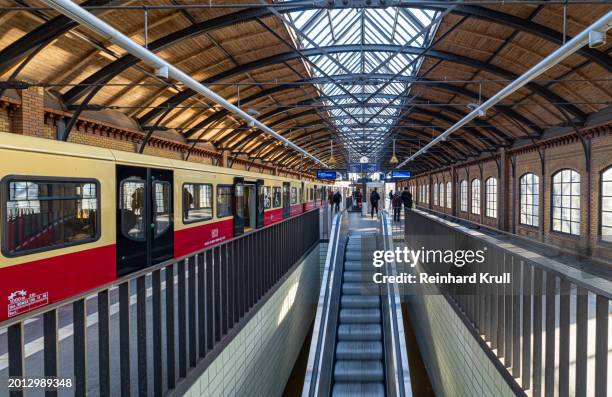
[(363, 67)]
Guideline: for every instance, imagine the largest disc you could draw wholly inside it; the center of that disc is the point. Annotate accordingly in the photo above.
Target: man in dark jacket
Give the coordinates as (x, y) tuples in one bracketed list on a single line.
[(396, 202), (337, 199), (406, 199), (374, 198)]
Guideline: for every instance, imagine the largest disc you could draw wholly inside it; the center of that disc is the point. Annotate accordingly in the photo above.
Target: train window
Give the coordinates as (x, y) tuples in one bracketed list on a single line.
[(293, 195), (224, 201), (161, 209), (132, 208), (197, 202), (267, 199), (276, 199), (48, 214), (301, 196)]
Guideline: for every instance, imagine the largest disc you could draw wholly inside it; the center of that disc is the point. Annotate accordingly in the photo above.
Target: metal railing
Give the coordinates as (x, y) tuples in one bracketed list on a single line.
[(205, 295), (398, 369), (320, 355), (516, 323)]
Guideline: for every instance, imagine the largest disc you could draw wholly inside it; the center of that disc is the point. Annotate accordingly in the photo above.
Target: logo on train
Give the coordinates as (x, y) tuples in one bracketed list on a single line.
[(214, 233), (21, 301)]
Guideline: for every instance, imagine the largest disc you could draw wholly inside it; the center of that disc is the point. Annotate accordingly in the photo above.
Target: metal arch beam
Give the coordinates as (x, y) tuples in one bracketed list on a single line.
[(121, 64), (254, 134), (507, 110), (41, 36), (336, 49), (479, 123), (416, 133)]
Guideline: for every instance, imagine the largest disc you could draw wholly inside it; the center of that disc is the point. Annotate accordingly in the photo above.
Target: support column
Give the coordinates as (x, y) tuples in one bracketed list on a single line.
[(29, 119), (225, 159), (503, 190)]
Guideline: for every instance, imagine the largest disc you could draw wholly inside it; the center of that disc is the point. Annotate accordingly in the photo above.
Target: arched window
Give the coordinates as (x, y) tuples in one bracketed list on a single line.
[(427, 193), (435, 194), (529, 200), (441, 194), (606, 205), (566, 202), (449, 195), (463, 195), (491, 198), (476, 196)]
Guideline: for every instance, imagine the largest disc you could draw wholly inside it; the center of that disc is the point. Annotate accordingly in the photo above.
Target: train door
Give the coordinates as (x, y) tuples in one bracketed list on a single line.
[(250, 212), (238, 206), (259, 222), (286, 199), (145, 231)]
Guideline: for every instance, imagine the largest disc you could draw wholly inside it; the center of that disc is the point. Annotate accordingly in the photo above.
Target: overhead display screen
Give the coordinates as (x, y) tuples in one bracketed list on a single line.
[(326, 174), (400, 174)]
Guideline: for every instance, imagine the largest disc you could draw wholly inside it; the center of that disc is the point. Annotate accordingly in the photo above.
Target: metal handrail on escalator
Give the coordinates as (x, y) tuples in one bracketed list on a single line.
[(317, 377)]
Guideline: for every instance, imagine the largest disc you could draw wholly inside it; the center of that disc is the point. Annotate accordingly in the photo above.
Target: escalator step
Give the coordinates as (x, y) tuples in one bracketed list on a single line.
[(358, 371), (360, 316), (360, 301), (370, 350), (358, 390), (359, 332)]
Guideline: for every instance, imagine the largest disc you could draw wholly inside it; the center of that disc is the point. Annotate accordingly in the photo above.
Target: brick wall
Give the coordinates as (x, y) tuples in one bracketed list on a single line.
[(561, 152), (28, 116)]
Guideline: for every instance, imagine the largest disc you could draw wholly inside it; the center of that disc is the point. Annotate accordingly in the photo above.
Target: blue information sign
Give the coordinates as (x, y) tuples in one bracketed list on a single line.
[(400, 174), (362, 167), (326, 174)]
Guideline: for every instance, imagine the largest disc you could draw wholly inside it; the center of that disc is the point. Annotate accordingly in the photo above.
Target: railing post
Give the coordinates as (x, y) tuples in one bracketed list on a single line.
[(104, 343), (15, 355), (51, 347), (124, 338), (80, 347)]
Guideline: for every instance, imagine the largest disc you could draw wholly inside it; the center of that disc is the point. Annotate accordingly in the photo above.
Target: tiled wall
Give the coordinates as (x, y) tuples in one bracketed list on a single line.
[(260, 359), (456, 364)]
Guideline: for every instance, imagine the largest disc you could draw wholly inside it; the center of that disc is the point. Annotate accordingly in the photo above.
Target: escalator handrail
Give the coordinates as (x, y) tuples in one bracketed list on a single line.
[(399, 354), (312, 379)]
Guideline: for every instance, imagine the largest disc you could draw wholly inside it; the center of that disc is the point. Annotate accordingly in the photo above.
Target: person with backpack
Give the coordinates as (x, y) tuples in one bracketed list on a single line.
[(406, 199), (337, 199), (374, 198), (396, 203)]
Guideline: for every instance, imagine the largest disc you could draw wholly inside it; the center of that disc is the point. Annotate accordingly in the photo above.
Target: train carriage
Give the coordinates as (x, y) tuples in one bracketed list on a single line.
[(59, 237)]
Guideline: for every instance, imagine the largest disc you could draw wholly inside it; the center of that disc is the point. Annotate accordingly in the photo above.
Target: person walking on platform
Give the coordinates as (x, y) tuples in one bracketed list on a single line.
[(396, 202), (406, 199), (337, 199), (374, 198)]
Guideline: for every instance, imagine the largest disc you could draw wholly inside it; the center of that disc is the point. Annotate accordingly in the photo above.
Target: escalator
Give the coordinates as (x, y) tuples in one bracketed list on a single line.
[(358, 344), (359, 358)]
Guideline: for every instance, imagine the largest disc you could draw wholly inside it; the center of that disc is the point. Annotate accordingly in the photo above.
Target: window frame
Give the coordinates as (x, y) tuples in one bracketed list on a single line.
[(492, 194), (449, 195), (4, 195), (212, 188), (537, 204), (601, 197), (463, 189), (478, 196), (217, 196), (552, 206), (280, 192)]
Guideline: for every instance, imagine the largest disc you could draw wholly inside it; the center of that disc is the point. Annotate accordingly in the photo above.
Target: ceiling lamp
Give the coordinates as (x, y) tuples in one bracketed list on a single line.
[(393, 160), (331, 160)]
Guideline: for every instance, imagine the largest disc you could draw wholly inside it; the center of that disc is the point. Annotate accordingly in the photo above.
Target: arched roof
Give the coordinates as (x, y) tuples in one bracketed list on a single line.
[(360, 77)]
